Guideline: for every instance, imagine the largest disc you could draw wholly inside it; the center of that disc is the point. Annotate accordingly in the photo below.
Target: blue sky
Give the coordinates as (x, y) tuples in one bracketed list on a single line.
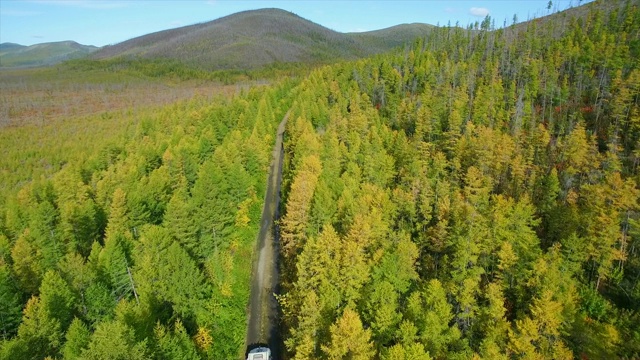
[(103, 22)]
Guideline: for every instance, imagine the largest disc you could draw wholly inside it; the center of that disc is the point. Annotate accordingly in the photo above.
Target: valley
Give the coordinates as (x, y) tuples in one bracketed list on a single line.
[(41, 96)]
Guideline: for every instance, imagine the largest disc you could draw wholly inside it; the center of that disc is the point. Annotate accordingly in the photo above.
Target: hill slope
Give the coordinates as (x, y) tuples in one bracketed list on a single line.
[(10, 46), (386, 39), (15, 55), (255, 38)]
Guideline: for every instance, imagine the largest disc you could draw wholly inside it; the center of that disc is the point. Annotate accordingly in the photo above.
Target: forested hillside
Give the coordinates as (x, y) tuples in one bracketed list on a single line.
[(129, 238), (470, 197)]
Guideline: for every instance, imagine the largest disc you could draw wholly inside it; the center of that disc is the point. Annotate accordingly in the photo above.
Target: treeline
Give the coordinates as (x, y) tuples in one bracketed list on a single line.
[(140, 249), (473, 196)]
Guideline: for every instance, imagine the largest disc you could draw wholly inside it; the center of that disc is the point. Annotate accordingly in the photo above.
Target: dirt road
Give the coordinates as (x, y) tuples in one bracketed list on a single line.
[(262, 327)]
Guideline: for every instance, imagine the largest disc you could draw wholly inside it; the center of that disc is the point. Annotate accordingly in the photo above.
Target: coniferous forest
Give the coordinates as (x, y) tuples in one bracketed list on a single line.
[(472, 195)]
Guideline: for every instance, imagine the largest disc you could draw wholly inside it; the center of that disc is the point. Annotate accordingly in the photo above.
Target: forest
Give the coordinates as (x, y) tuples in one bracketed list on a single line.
[(473, 195), (128, 241)]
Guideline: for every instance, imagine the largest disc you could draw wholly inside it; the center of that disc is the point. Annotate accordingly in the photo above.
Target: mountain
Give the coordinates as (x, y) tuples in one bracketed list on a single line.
[(386, 39), (10, 46), (15, 55), (255, 38)]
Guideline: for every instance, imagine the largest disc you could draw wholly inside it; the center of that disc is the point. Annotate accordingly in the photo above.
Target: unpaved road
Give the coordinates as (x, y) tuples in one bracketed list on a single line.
[(262, 327)]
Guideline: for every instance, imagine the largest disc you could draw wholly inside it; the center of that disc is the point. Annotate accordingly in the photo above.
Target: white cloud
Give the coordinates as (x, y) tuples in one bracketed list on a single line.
[(479, 11)]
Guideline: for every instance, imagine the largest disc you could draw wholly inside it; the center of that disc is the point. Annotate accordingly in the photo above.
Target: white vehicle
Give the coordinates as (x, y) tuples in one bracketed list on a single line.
[(260, 353)]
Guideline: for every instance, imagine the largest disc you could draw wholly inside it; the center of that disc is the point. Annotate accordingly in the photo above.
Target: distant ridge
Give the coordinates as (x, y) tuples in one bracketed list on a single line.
[(10, 46), (16, 55), (392, 37), (256, 38)]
